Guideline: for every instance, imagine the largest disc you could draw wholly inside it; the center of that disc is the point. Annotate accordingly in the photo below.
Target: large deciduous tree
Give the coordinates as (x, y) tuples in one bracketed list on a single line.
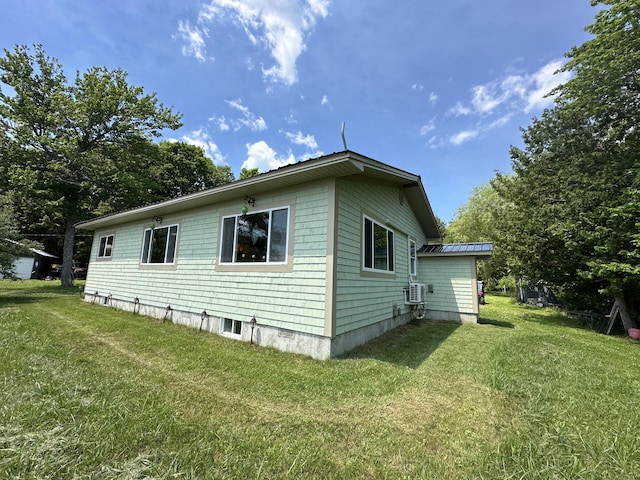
[(71, 146), (577, 179)]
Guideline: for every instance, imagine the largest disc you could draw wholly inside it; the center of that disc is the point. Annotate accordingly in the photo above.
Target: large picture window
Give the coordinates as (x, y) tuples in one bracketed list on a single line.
[(159, 244), (105, 248), (378, 247), (255, 237)]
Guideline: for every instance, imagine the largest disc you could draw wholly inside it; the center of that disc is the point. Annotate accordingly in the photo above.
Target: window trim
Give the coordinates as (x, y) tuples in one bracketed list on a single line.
[(413, 257), (235, 324), (146, 243), (102, 248), (234, 241), (369, 243)]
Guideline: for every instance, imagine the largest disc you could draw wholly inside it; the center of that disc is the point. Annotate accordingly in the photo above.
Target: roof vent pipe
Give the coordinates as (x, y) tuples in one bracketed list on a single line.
[(344, 141)]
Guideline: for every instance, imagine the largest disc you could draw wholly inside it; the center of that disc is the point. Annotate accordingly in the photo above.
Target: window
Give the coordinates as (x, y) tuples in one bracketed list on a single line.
[(231, 327), (159, 244), (378, 253), (413, 259), (106, 246), (256, 237)]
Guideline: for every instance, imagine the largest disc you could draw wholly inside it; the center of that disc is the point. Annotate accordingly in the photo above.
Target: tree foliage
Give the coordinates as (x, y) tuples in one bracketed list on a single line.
[(70, 149), (577, 179), (482, 219)]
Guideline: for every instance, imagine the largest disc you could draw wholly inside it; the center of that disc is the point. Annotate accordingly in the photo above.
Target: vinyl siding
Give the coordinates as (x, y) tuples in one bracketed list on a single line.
[(364, 298), (292, 299)]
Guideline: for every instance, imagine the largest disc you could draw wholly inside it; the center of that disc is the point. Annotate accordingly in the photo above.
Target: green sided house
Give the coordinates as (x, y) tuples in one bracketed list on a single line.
[(313, 258)]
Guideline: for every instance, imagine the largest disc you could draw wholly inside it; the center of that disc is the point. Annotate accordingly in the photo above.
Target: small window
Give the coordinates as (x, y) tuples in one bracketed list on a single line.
[(106, 246), (378, 247), (413, 258), (257, 237), (159, 245), (232, 327)]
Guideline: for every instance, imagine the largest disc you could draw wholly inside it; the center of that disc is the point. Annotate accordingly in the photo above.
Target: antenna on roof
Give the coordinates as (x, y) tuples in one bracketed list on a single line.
[(344, 141)]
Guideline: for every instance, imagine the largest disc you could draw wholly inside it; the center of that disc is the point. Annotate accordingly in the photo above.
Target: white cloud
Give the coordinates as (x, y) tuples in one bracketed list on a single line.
[(261, 156), (418, 87), (484, 98), (544, 81), (464, 136), (248, 119), (281, 27), (194, 40), (459, 109), (299, 138), (202, 139), (433, 98), (524, 92), (324, 100), (427, 128)]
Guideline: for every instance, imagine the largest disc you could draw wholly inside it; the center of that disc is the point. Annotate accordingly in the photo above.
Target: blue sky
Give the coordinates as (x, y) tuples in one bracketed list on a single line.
[(439, 89)]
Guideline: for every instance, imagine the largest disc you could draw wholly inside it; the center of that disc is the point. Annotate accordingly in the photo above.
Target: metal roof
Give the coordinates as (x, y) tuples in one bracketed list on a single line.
[(450, 249)]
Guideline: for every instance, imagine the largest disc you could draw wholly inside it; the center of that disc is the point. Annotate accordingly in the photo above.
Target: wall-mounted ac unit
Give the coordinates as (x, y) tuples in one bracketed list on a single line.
[(415, 293)]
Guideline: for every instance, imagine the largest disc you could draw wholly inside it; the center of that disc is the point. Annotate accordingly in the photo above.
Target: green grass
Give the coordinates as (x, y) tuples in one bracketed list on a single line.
[(87, 392)]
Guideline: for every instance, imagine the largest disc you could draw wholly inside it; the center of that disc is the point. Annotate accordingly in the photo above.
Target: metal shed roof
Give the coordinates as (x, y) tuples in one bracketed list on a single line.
[(449, 249)]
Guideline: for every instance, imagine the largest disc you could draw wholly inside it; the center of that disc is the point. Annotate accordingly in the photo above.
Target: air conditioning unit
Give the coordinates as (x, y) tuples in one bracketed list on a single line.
[(415, 293)]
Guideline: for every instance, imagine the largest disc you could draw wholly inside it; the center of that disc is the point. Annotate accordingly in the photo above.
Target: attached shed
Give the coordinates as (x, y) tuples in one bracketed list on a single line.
[(450, 272)]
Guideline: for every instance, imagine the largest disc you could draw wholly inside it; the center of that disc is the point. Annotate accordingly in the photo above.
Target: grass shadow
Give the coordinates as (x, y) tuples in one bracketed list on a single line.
[(497, 323), (408, 345), (16, 292)]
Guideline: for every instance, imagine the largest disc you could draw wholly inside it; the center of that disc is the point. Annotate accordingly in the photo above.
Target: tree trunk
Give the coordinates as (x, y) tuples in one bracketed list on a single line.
[(627, 321), (66, 276)]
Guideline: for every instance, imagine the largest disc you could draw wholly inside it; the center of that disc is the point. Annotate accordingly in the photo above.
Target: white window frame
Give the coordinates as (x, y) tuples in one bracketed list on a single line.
[(145, 258), (368, 247), (227, 242), (231, 327), (105, 248), (413, 257)]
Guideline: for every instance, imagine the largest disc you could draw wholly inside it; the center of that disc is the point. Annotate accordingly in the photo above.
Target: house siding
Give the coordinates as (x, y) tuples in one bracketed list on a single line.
[(363, 298), (454, 295), (292, 299)]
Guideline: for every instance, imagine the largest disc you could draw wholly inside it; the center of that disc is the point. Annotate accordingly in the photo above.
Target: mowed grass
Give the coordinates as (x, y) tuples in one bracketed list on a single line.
[(87, 392)]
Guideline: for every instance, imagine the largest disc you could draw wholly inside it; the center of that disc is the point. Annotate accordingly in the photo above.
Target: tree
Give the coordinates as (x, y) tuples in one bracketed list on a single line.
[(482, 219), (249, 172), (184, 169), (577, 178), (72, 144)]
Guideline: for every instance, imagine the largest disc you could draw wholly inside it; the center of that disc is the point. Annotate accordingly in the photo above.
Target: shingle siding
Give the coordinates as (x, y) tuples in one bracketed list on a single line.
[(292, 300), (364, 298)]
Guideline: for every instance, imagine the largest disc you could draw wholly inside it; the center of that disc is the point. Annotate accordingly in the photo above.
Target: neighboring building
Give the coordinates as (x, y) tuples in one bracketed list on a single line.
[(325, 255), (35, 264)]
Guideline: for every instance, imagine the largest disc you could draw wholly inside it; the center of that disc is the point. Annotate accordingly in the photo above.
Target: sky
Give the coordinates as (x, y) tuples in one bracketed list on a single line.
[(438, 89)]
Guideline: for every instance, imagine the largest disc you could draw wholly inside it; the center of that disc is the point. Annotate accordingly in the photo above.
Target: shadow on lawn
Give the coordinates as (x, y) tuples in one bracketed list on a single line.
[(497, 323), (408, 345), (16, 292)]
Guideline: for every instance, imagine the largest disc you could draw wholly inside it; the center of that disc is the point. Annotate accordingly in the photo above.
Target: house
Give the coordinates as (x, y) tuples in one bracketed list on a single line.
[(314, 258)]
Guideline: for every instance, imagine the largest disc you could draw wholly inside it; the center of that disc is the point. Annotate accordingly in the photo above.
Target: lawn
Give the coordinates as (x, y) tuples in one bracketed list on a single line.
[(87, 392)]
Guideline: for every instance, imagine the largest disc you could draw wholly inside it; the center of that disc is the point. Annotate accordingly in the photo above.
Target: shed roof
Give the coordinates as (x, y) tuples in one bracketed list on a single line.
[(451, 249), (337, 164)]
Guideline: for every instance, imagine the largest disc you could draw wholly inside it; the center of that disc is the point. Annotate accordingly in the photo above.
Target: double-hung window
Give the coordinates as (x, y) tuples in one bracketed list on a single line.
[(159, 245), (256, 237), (378, 247), (105, 249)]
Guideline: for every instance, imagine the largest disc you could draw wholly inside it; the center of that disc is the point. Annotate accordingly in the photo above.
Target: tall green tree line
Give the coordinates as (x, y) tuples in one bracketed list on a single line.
[(575, 191)]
